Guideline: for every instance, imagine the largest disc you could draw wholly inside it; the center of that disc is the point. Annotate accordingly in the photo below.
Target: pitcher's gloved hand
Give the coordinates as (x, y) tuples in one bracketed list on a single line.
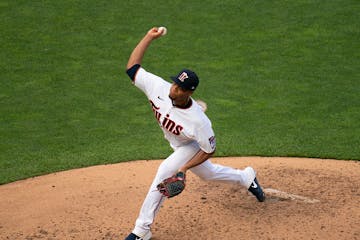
[(172, 186)]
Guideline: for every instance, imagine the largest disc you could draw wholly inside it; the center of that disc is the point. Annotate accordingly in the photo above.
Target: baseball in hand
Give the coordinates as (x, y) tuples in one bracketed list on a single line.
[(163, 30)]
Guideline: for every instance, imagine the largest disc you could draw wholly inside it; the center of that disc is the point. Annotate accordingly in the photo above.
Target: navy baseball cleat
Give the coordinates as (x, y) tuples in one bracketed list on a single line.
[(255, 189), (133, 236)]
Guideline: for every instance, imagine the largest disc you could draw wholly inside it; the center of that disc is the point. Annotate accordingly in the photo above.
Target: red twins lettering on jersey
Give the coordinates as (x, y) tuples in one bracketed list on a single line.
[(167, 123), (156, 113), (171, 126)]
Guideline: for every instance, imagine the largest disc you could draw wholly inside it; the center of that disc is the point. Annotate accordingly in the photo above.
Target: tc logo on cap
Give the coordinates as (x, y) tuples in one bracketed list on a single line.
[(183, 76), (186, 79)]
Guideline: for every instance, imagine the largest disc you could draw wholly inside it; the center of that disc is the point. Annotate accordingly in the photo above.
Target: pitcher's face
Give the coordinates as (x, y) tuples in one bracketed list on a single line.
[(178, 93)]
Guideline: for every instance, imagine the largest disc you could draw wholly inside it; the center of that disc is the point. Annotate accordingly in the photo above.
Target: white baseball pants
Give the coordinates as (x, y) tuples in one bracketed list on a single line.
[(206, 171)]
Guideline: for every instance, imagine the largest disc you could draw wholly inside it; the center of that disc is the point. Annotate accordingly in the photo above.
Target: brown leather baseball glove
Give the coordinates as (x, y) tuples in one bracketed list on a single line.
[(172, 186)]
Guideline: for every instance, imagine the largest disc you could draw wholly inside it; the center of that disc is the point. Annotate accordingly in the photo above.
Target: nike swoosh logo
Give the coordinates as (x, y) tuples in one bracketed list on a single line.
[(160, 98), (254, 185)]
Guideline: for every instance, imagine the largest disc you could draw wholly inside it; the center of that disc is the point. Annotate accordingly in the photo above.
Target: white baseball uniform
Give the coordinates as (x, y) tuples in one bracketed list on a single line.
[(187, 131)]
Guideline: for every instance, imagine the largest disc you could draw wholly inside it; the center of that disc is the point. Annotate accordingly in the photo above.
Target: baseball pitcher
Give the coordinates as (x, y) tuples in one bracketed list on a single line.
[(189, 132)]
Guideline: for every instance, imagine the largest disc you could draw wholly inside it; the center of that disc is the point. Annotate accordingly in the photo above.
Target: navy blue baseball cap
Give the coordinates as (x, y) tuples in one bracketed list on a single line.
[(186, 79)]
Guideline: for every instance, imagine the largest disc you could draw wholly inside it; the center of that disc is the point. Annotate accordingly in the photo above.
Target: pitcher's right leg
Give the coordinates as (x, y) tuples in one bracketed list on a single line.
[(246, 177)]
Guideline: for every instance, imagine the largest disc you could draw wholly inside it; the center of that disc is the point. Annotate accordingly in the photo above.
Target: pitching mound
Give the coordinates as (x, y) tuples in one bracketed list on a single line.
[(306, 199)]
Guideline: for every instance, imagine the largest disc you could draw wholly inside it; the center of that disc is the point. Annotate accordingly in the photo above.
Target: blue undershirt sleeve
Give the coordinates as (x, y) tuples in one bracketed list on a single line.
[(131, 72)]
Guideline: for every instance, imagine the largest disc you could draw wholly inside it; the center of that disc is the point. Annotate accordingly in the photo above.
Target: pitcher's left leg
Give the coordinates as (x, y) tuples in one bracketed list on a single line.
[(154, 198)]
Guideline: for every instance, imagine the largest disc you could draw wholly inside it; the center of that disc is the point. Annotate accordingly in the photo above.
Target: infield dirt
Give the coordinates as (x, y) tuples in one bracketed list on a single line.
[(102, 202)]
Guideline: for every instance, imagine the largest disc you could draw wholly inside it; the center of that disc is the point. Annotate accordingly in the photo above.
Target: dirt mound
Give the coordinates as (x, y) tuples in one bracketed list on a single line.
[(306, 199)]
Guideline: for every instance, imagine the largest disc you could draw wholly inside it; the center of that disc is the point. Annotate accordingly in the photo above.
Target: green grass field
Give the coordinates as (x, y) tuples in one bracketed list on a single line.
[(281, 78)]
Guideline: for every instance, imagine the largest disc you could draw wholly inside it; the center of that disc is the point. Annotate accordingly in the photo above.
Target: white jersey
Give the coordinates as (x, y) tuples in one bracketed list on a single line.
[(180, 126)]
